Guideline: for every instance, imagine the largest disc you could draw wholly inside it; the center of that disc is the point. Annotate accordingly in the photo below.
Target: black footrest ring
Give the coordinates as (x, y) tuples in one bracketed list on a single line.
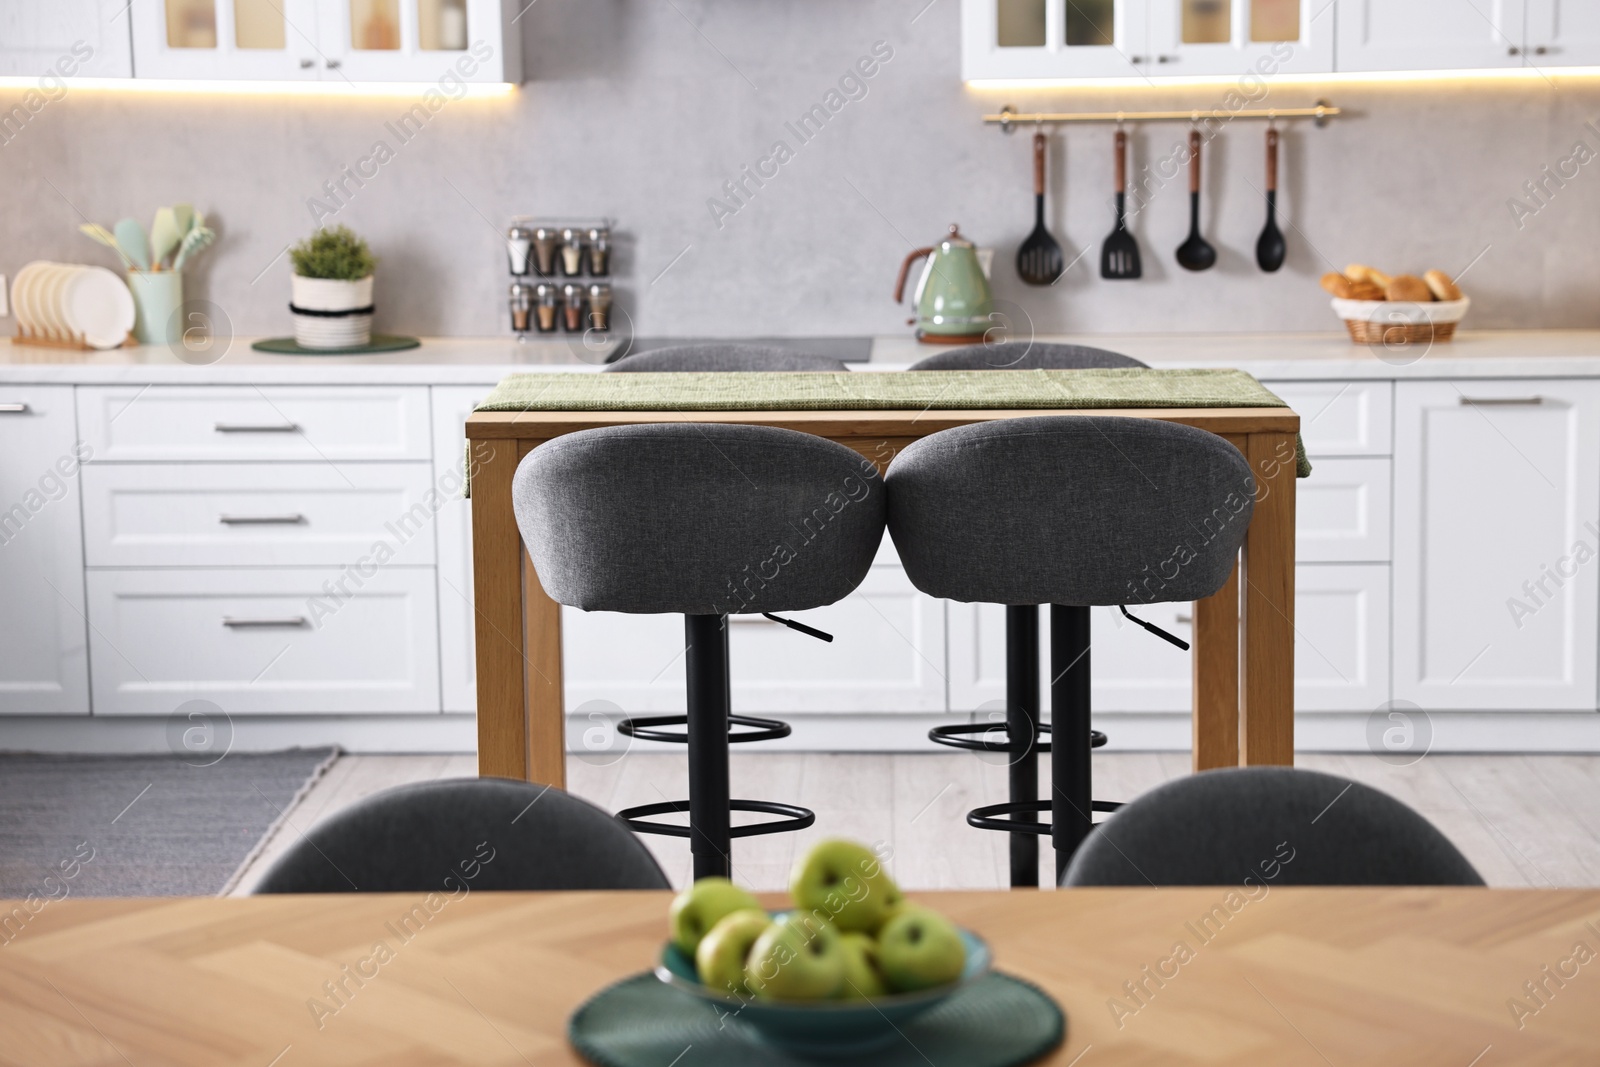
[(988, 816), (959, 736), (645, 729), (792, 817)]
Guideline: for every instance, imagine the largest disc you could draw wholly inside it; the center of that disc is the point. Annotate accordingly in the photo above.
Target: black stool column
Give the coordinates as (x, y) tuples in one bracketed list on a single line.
[(706, 662), (1022, 729), (1071, 786)]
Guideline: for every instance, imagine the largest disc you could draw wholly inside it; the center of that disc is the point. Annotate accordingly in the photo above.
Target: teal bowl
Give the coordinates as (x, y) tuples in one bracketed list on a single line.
[(822, 1028)]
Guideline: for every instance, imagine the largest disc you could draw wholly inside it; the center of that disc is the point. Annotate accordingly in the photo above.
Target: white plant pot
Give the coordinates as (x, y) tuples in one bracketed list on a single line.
[(328, 313)]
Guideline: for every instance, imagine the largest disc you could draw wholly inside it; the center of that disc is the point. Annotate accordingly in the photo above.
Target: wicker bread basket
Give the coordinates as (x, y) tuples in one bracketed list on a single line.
[(1400, 322)]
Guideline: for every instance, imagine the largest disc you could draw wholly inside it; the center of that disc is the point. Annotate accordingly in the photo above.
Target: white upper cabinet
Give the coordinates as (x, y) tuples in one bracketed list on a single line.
[(1496, 535), (1562, 33), (1379, 35), (84, 38), (1144, 38), (442, 41), (1053, 38), (1239, 37)]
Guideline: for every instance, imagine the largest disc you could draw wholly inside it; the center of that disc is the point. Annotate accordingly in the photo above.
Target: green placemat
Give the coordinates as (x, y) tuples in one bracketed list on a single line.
[(381, 342), (1128, 387), (997, 1021)]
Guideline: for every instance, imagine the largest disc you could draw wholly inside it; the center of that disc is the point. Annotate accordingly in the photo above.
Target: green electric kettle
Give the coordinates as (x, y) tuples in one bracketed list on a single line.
[(954, 305)]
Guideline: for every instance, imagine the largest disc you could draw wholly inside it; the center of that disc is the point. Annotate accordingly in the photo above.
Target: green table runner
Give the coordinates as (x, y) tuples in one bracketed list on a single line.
[(1132, 387)]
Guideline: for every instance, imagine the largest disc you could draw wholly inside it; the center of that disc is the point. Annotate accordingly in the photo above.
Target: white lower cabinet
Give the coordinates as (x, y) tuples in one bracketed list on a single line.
[(264, 640), (1341, 648), (44, 667), (1497, 531), (458, 664), (887, 655)]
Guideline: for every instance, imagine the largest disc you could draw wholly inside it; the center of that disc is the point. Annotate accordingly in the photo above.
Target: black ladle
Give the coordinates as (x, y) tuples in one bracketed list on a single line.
[(1270, 247), (1195, 253)]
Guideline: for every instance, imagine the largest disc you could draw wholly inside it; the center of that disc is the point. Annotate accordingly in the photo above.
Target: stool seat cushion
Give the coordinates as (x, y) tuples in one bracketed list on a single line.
[(1069, 509), (1026, 355), (698, 519), (724, 357)]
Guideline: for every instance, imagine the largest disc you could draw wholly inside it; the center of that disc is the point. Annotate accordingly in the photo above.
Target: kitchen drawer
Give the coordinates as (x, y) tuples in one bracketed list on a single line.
[(210, 423), (258, 514), (159, 638), (1342, 512), (1342, 418), (887, 655)]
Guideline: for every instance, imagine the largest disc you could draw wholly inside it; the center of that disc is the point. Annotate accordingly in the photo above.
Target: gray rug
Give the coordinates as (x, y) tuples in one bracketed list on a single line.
[(124, 826)]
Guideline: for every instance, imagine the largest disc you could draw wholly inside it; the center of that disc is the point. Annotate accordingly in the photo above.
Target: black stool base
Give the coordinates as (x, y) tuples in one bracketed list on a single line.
[(957, 737), (791, 817), (988, 816)]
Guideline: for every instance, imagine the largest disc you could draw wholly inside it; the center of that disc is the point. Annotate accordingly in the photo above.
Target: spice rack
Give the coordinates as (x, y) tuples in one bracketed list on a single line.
[(561, 271)]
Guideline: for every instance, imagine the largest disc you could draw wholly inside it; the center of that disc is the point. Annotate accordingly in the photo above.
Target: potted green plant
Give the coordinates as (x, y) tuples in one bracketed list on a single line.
[(332, 290)]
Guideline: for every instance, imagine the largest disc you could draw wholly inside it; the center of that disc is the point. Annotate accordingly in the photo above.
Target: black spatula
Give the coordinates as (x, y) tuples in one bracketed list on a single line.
[(1119, 256), (1039, 260)]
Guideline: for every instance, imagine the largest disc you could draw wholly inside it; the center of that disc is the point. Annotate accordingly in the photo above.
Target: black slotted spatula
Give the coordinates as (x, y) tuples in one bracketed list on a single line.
[(1039, 260), (1119, 256)]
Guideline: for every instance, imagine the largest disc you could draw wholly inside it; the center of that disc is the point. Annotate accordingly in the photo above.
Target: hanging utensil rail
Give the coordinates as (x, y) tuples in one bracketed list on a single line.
[(1009, 117)]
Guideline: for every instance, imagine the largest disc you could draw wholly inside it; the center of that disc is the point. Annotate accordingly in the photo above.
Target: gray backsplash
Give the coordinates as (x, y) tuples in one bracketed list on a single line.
[(643, 109)]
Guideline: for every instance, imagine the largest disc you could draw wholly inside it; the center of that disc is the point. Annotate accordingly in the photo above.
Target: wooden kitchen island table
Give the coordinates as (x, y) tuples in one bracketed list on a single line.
[(1374, 977), (1243, 635)]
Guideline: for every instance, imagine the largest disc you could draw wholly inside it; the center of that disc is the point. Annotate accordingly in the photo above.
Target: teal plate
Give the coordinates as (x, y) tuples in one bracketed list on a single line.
[(381, 342), (996, 1021)]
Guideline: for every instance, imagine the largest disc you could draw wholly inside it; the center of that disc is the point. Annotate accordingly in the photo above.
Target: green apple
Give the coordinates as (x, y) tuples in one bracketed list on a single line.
[(720, 957), (861, 978), (920, 949), (700, 907), (844, 882), (796, 958)]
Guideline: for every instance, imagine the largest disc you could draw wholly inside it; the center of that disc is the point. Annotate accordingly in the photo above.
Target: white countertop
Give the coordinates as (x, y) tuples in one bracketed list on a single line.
[(475, 361)]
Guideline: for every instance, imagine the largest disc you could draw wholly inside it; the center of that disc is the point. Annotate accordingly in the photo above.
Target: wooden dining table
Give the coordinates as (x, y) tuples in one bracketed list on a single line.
[(1243, 636), (1369, 977)]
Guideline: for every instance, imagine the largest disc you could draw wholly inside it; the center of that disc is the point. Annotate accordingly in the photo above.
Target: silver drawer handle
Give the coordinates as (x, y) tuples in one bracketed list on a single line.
[(13, 409), (261, 520), (1499, 401), (1187, 620), (286, 427), (247, 624)]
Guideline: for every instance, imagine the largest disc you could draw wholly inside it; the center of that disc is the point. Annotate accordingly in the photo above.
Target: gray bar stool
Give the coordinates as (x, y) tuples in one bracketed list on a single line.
[(705, 521), (725, 357), (1071, 511), (1026, 355)]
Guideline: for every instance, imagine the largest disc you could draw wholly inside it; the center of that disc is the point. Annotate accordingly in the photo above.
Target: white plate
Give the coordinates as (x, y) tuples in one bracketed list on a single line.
[(21, 295), (99, 307), (1402, 312), (51, 278)]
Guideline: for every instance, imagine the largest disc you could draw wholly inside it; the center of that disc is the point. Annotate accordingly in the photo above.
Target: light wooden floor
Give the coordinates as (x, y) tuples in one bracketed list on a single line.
[(1522, 820)]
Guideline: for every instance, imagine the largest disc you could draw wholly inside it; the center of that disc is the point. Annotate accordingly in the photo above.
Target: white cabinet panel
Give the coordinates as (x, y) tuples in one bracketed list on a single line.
[(1341, 418), (264, 641), (1240, 37), (458, 665), (1341, 512), (270, 40), (208, 424), (441, 41), (1496, 512), (1563, 33), (1341, 642), (80, 39), (887, 655), (43, 636), (1053, 39), (258, 514), (1341, 648), (1429, 34)]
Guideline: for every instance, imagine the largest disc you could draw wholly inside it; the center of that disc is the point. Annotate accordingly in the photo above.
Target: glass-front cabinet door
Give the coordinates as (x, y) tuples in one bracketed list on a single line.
[(418, 40), (269, 40), (1053, 39), (1241, 37)]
